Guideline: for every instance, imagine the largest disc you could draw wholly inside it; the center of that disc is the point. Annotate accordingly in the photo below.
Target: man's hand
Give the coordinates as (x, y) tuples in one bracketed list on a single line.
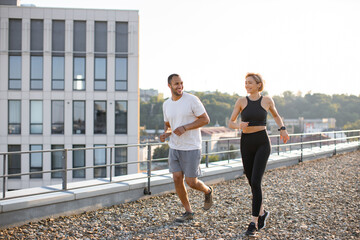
[(164, 136), (180, 131)]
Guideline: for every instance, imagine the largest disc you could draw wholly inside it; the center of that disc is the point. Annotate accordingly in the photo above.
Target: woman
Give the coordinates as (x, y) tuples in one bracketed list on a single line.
[(255, 144)]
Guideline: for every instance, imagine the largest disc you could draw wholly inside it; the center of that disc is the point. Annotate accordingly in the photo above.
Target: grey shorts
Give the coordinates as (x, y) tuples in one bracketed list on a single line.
[(184, 161)]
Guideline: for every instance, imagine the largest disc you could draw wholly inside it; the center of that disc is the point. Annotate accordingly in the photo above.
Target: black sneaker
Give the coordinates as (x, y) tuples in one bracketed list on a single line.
[(251, 231), (262, 220), (209, 199), (185, 216)]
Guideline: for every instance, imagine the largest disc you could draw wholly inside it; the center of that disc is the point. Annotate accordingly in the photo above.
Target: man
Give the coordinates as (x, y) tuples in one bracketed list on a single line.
[(184, 114)]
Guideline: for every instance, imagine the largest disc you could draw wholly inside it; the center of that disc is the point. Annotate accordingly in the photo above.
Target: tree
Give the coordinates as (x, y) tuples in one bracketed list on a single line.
[(161, 152)]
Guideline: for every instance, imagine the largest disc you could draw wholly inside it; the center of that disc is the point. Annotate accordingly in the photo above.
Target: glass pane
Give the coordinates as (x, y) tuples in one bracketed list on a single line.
[(79, 85), (100, 36), (120, 117), (14, 67), (121, 69), (15, 34), (36, 67), (56, 161), (15, 84), (57, 117), (79, 68), (79, 36), (14, 160), (36, 84), (79, 117), (121, 37), (58, 85), (78, 161), (58, 68), (100, 117), (36, 112), (100, 85), (100, 155), (36, 128), (121, 157), (35, 158), (14, 111), (100, 68), (58, 35), (37, 35)]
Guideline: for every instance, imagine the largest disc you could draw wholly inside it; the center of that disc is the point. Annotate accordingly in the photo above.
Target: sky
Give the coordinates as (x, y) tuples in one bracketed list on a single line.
[(303, 46)]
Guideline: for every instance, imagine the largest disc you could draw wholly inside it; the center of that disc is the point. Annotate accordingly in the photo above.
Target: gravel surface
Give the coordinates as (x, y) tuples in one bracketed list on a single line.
[(313, 200)]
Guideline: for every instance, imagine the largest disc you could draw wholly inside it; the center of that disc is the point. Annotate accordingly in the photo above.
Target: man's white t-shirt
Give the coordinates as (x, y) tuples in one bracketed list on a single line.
[(182, 112)]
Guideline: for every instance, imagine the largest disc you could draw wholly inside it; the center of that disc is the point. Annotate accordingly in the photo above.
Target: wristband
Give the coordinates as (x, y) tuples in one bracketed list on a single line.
[(282, 128)]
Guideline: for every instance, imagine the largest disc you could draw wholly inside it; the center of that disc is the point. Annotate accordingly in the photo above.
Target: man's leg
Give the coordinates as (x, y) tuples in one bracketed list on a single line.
[(181, 190), (197, 184)]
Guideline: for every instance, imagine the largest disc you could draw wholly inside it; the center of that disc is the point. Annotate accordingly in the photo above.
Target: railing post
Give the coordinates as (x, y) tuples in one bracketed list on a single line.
[(229, 154), (147, 189), (64, 175), (335, 143), (301, 140), (278, 143), (207, 154), (290, 144), (4, 173), (111, 162), (320, 140)]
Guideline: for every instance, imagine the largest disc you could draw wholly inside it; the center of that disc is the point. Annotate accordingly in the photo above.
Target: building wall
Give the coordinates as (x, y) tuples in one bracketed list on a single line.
[(131, 95)]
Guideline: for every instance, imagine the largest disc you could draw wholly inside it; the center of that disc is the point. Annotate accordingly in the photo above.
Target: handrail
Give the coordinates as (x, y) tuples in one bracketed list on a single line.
[(206, 153)]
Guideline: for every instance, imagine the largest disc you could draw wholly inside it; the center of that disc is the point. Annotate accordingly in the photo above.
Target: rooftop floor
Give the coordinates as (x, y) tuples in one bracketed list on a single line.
[(316, 199)]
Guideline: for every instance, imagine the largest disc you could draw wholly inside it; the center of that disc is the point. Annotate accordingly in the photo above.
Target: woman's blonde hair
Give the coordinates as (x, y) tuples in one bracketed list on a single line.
[(258, 79)]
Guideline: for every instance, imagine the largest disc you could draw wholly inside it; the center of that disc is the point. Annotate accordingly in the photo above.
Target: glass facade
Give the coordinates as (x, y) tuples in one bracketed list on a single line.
[(79, 73), (14, 160), (36, 161), (36, 72), (79, 161), (15, 72), (99, 159), (120, 117), (36, 117), (14, 117), (121, 74), (58, 73), (78, 117), (36, 51), (100, 117), (57, 117), (56, 161), (100, 74), (121, 56), (121, 157)]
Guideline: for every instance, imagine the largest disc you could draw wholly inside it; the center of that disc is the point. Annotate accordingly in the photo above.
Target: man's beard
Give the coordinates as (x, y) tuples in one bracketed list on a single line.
[(175, 92)]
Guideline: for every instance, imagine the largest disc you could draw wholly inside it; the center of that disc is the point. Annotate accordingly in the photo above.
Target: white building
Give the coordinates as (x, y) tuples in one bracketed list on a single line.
[(68, 79)]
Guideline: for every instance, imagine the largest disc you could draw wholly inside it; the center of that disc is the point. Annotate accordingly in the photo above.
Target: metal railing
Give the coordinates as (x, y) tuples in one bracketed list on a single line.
[(226, 149)]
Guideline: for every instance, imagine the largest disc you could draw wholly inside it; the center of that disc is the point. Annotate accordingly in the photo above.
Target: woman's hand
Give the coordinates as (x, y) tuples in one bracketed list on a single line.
[(284, 136)]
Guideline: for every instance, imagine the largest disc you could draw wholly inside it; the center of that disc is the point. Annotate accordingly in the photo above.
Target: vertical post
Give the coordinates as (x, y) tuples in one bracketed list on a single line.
[(301, 140), (278, 143), (229, 154), (64, 175), (147, 190), (290, 143), (320, 140), (207, 154), (111, 162), (335, 143), (4, 172), (311, 138)]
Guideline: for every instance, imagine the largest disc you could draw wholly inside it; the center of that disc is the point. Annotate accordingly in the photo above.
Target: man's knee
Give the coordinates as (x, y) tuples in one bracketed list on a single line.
[(178, 177), (191, 182)]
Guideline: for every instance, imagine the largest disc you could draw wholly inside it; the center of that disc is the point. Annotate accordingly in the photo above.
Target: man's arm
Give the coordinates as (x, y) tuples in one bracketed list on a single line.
[(167, 132), (201, 120)]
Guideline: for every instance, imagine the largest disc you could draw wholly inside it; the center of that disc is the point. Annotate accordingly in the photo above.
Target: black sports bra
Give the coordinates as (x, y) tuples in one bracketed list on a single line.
[(254, 113)]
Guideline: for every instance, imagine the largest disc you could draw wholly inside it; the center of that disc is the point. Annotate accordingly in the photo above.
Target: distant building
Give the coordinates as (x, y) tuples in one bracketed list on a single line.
[(68, 79), (147, 94), (215, 135), (302, 125)]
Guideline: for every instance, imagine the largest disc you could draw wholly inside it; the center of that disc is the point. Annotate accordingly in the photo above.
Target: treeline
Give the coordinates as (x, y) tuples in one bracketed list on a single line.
[(344, 108)]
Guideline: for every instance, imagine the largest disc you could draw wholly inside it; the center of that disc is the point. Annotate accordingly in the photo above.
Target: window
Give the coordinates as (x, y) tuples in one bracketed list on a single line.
[(58, 69), (36, 72), (36, 117), (79, 36), (14, 160), (58, 36), (15, 35), (99, 159), (100, 74), (79, 117), (36, 161), (56, 161), (14, 116), (121, 74), (121, 60), (101, 37), (14, 72), (120, 117), (36, 51), (79, 73), (100, 117), (57, 117), (79, 161), (121, 157)]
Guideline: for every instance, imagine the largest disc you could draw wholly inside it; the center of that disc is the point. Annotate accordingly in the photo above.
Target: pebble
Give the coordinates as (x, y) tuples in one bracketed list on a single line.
[(316, 199)]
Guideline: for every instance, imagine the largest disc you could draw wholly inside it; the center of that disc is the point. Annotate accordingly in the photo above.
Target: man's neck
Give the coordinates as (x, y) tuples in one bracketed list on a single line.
[(176, 97)]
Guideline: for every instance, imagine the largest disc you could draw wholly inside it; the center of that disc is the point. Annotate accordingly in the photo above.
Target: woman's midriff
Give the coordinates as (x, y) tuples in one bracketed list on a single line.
[(253, 129)]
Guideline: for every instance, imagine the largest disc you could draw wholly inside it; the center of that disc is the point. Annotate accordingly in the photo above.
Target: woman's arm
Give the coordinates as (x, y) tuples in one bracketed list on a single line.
[(232, 122), (283, 133)]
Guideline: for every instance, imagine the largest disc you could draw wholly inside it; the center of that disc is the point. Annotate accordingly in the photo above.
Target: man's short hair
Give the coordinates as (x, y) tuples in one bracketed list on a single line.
[(171, 76)]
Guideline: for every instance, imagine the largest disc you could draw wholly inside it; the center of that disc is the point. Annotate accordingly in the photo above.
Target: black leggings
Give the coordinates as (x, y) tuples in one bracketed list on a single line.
[(255, 151)]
